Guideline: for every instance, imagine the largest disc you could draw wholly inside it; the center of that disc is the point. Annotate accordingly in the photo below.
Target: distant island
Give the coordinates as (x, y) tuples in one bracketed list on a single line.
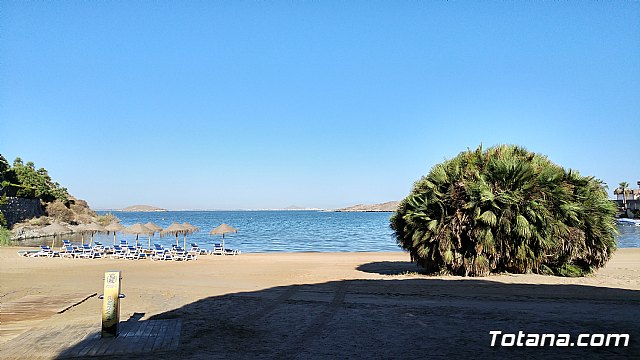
[(384, 207), (299, 208), (142, 208)]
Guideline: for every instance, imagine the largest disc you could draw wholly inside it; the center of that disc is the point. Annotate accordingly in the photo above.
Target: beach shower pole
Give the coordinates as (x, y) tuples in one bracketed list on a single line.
[(111, 303)]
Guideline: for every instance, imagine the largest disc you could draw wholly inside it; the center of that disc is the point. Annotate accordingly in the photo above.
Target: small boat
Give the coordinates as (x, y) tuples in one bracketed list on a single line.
[(625, 221)]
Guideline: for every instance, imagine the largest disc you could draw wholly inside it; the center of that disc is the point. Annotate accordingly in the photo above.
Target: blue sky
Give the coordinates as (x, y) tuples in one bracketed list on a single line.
[(227, 105)]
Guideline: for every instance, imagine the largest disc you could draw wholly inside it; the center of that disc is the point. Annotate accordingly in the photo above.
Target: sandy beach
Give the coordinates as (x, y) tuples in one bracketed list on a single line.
[(309, 305)]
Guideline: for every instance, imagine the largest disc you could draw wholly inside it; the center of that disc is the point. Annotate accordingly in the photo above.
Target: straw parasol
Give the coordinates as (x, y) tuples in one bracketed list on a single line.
[(190, 227), (190, 230), (80, 228), (93, 228), (138, 229), (54, 230), (223, 229), (153, 227), (176, 229), (114, 227)]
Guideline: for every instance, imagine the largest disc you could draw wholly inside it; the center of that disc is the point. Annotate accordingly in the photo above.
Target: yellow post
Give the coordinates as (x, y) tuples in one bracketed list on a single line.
[(111, 304)]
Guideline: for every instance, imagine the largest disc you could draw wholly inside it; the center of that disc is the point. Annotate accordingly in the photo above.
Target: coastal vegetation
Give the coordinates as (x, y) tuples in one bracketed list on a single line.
[(505, 209), (628, 200), (106, 219), (24, 181), (5, 236)]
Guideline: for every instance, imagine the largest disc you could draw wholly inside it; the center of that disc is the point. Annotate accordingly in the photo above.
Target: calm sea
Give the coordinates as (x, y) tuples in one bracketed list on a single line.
[(286, 231), (276, 231)]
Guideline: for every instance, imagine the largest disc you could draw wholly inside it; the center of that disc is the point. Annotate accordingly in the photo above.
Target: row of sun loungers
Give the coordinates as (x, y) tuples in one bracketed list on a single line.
[(128, 252)]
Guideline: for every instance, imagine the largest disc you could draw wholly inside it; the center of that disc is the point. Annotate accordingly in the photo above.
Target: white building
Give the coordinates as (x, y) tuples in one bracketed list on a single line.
[(632, 198)]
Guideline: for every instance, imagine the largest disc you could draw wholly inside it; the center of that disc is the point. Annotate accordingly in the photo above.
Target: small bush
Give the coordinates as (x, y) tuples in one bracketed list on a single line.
[(106, 219), (5, 236)]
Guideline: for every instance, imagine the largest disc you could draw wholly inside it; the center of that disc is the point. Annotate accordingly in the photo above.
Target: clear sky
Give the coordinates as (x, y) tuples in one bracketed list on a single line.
[(251, 104)]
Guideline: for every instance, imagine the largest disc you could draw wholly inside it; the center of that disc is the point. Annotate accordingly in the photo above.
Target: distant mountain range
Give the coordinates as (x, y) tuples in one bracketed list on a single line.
[(384, 207)]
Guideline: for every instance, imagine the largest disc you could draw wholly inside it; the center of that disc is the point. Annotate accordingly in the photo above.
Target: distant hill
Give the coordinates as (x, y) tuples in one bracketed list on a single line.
[(142, 208), (385, 207), (294, 207)]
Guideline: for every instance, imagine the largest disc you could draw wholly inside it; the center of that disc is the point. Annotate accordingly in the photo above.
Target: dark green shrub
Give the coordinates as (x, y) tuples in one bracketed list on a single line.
[(506, 209)]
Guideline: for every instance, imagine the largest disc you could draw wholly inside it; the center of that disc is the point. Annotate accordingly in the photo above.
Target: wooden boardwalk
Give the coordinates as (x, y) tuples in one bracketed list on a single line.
[(83, 340), (24, 335), (20, 315)]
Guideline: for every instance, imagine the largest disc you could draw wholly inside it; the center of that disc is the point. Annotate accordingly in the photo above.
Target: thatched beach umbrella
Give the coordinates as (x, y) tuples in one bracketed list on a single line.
[(190, 230), (114, 227), (153, 227), (176, 229), (138, 229), (55, 230), (223, 229), (80, 228), (94, 228)]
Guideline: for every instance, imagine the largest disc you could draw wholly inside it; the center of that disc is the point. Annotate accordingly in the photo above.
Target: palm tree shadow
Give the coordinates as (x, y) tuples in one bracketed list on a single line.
[(397, 319), (391, 268)]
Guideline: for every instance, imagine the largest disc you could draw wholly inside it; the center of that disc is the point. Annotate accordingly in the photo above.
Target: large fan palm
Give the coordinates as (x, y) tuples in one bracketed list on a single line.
[(506, 209)]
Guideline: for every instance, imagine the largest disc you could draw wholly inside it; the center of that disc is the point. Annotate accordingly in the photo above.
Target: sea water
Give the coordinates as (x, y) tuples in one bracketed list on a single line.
[(274, 231), (282, 231), (629, 236)]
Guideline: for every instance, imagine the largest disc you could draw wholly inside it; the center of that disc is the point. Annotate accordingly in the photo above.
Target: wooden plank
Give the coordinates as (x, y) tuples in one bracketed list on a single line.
[(77, 340), (131, 344), (161, 333), (141, 328), (86, 348), (176, 339), (168, 338), (126, 328)]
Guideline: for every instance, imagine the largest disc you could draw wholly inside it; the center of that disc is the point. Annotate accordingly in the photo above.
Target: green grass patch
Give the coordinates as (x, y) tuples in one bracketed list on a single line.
[(5, 237)]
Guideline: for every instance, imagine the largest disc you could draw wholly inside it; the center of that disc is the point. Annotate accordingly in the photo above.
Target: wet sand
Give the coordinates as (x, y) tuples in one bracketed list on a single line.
[(321, 305)]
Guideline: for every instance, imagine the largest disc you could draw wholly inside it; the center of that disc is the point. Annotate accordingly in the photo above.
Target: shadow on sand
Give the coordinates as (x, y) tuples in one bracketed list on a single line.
[(399, 319), (391, 268)]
